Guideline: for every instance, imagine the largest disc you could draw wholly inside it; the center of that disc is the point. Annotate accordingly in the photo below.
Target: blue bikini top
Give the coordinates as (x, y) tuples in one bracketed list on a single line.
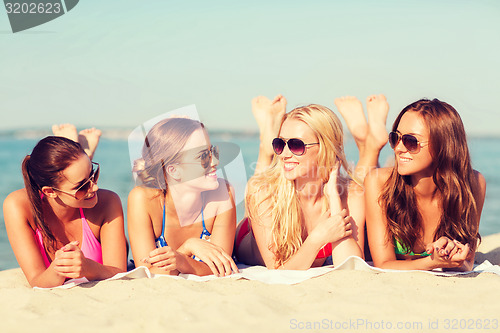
[(161, 242)]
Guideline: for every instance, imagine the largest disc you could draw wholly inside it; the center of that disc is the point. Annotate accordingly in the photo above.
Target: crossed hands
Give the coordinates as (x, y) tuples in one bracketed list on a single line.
[(167, 259), (448, 253), (70, 262)]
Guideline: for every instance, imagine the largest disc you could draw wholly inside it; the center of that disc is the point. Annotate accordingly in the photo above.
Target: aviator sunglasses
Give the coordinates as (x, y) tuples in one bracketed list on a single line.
[(206, 157), (296, 146), (410, 142), (84, 189)]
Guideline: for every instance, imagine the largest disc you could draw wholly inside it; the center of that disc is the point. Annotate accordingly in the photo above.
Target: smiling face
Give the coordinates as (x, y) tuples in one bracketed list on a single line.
[(73, 177), (420, 162), (195, 153), (304, 166)]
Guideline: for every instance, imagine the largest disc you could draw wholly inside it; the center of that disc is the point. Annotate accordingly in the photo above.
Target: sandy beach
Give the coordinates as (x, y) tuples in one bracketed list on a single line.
[(345, 300)]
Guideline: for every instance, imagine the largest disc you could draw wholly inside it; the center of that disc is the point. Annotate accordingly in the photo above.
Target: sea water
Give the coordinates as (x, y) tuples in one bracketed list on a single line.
[(113, 157)]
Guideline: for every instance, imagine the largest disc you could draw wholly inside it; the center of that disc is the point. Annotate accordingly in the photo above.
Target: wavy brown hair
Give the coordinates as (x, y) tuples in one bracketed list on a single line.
[(453, 175), (44, 167)]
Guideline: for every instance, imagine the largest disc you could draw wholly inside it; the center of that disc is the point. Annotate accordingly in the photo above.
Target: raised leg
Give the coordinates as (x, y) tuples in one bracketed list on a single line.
[(377, 108), (89, 139), (351, 110), (268, 115)]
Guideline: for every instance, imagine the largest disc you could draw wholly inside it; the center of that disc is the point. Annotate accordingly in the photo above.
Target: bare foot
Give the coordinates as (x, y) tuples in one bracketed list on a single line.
[(377, 108), (351, 110), (268, 115), (89, 139), (67, 131)]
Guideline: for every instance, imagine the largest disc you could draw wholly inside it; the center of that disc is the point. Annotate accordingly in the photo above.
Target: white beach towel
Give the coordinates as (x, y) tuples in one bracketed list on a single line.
[(262, 274)]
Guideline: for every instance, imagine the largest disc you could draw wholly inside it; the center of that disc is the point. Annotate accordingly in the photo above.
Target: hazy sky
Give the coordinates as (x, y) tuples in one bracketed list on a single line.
[(120, 63)]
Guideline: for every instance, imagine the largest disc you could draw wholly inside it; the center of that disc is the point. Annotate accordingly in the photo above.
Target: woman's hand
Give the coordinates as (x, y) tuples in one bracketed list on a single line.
[(165, 259), (70, 262), (331, 229), (219, 262), (461, 255), (332, 191), (443, 247), (448, 253)]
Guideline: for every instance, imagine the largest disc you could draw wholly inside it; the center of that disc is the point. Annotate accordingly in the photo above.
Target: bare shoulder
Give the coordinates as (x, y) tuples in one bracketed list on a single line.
[(17, 203), (480, 179), (19, 197), (140, 195), (377, 177), (259, 202), (106, 195), (107, 198), (353, 188), (108, 208), (256, 187), (482, 182)]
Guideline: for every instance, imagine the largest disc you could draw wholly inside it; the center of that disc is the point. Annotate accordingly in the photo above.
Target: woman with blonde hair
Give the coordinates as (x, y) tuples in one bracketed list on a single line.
[(306, 205), (181, 217), (424, 212)]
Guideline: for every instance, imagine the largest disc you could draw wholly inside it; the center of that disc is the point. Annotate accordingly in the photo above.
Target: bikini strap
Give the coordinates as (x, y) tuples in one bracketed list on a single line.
[(81, 214), (202, 218), (163, 222)]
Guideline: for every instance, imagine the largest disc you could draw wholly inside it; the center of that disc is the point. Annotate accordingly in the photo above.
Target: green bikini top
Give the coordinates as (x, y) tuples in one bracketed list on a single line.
[(403, 249)]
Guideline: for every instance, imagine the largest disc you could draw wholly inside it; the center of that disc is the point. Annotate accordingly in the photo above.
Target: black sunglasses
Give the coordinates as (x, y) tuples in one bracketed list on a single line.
[(206, 157), (410, 142), (82, 191), (296, 146)]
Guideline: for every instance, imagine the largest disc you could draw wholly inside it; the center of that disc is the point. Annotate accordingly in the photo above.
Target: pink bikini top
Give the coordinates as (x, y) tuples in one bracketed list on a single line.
[(90, 246)]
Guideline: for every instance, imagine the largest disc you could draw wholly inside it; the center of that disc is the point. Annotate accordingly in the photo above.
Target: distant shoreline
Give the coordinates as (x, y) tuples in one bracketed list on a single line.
[(122, 133), (107, 133)]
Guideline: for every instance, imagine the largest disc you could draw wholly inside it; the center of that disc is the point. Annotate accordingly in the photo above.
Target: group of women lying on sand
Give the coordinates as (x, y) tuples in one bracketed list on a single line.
[(304, 204)]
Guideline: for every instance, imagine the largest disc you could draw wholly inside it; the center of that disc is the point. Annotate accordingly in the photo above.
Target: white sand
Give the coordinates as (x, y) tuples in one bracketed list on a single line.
[(225, 305)]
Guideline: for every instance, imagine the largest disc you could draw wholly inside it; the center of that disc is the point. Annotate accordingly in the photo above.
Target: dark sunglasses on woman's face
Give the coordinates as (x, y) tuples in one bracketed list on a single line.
[(206, 157), (83, 190), (296, 146), (410, 142)]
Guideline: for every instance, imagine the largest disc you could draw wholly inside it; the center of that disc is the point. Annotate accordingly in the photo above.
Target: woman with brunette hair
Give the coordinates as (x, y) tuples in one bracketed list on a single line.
[(301, 209), (181, 217), (61, 225), (424, 212)]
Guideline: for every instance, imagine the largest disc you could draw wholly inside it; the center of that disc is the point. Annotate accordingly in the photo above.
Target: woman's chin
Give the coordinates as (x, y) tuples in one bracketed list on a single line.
[(212, 182), (90, 202), (290, 176)]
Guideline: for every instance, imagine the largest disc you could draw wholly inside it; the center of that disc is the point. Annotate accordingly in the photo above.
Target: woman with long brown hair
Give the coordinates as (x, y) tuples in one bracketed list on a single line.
[(424, 212), (61, 225)]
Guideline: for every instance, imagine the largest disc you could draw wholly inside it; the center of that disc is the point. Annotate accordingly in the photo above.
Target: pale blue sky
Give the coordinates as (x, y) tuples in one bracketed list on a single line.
[(120, 63)]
